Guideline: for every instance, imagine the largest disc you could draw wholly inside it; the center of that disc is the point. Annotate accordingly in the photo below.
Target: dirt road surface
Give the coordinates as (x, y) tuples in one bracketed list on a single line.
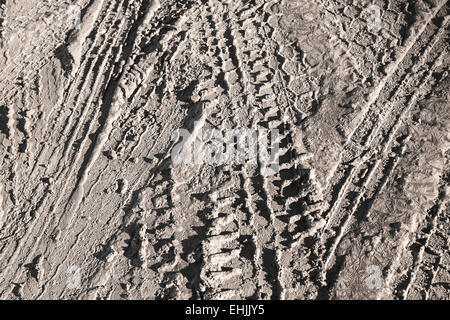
[(93, 205)]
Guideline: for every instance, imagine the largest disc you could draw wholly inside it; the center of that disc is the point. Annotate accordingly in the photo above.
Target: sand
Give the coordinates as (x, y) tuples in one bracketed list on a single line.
[(351, 99)]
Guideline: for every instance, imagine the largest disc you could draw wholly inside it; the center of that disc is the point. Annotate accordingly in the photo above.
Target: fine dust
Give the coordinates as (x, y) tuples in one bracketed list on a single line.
[(96, 93)]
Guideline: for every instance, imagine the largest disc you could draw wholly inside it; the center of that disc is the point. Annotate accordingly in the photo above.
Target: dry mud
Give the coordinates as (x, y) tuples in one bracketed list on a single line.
[(93, 207)]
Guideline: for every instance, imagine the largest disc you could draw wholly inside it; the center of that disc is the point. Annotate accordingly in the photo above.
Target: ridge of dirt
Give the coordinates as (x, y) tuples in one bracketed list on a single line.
[(93, 205)]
